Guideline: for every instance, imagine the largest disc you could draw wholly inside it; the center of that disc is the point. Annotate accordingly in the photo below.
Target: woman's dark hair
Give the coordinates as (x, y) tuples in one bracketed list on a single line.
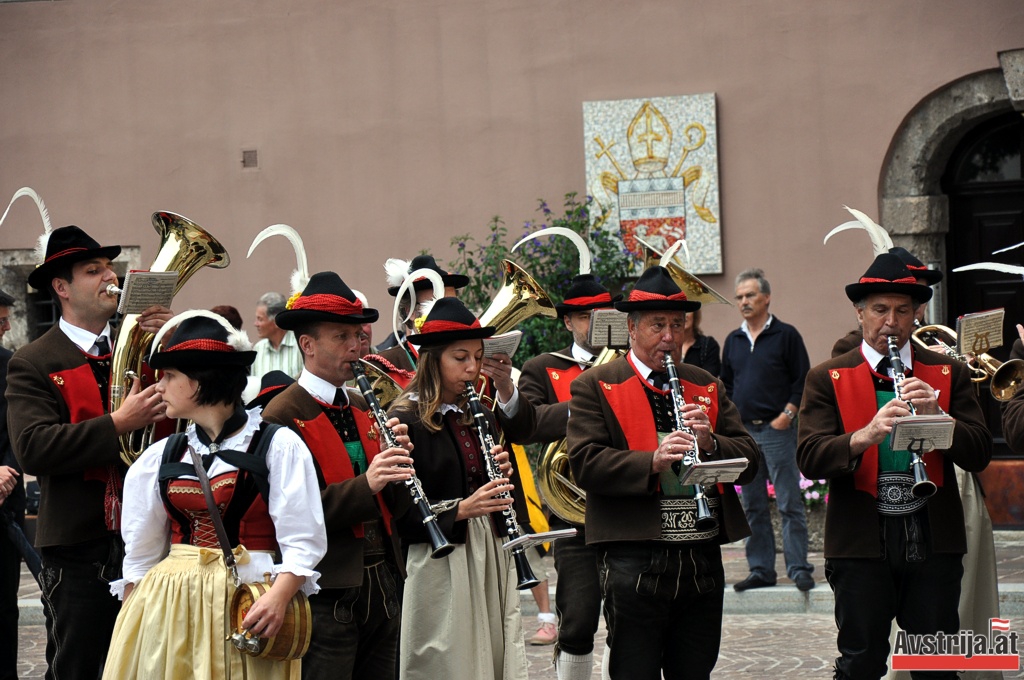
[(218, 384)]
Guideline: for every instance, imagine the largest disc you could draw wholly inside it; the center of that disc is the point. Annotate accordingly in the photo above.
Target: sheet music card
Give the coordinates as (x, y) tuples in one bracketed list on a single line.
[(711, 472), (506, 343), (608, 329), (979, 332), (143, 289), (530, 540), (923, 433)]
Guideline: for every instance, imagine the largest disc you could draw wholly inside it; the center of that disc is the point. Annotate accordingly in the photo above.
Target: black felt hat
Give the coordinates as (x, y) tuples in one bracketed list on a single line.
[(585, 294), (271, 384), (888, 274), (449, 321), (456, 281), (65, 246), (656, 291), (921, 271), (201, 339), (325, 298)]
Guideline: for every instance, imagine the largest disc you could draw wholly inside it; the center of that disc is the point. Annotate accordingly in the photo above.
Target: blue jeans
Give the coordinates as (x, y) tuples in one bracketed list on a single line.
[(778, 447)]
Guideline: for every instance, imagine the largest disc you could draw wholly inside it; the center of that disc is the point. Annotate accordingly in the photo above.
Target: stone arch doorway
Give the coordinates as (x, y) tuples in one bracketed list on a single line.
[(915, 206)]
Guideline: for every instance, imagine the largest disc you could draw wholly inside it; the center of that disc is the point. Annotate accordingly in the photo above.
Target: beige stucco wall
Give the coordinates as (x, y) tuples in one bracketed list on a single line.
[(384, 127)]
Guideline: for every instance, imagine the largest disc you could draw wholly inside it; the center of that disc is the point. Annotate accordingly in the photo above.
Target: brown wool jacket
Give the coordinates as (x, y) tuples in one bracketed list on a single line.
[(622, 504), (823, 452), (535, 385), (48, 445), (347, 503)]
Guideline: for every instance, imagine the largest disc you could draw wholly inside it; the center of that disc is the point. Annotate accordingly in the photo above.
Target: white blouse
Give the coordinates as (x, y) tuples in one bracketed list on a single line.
[(294, 506)]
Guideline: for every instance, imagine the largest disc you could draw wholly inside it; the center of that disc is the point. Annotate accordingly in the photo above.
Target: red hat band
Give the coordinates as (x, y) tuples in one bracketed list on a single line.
[(643, 296), (203, 344), (334, 304), (443, 326)]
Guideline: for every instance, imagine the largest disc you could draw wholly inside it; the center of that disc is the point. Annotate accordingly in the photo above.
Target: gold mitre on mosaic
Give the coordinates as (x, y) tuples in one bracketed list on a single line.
[(695, 289), (650, 139)]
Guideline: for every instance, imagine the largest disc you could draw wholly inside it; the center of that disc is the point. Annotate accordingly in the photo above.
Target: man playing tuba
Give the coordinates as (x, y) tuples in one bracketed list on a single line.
[(63, 433)]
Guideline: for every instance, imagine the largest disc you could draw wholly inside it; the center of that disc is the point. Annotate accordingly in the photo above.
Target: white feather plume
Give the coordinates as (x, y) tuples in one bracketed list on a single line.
[(577, 240), (237, 339), (1008, 248), (396, 271), (40, 253), (300, 276), (407, 286), (881, 242), (993, 266), (670, 254)]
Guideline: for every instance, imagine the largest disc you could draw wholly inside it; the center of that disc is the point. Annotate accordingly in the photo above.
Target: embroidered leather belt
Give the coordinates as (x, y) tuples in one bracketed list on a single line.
[(679, 519), (895, 494)]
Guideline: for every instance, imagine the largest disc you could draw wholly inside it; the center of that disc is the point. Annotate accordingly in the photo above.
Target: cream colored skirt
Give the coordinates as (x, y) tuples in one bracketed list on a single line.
[(979, 588), (174, 625), (460, 616)]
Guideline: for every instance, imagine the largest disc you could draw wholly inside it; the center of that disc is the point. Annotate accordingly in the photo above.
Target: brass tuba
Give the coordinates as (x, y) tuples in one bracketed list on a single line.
[(563, 496), (520, 298), (185, 247), (1007, 377)]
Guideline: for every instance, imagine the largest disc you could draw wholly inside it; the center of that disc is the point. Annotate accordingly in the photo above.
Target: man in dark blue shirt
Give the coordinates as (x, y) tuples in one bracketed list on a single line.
[(764, 363)]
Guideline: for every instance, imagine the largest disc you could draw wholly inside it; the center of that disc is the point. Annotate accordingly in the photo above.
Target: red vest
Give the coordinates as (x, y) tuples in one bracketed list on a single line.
[(331, 457), (561, 378), (255, 529), (855, 396)]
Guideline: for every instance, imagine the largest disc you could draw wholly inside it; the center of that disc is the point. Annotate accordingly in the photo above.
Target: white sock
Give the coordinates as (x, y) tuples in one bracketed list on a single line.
[(546, 617), (606, 673), (574, 666)]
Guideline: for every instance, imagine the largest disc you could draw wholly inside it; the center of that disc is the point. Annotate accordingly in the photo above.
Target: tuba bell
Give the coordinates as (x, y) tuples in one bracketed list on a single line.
[(519, 298), (1007, 377), (185, 247)]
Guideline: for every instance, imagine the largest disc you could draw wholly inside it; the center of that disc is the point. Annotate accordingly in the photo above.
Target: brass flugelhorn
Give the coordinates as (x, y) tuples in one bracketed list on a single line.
[(519, 298), (1007, 377), (185, 247)]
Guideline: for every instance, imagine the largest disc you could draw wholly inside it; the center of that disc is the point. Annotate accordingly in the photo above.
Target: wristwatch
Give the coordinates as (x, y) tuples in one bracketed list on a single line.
[(789, 414)]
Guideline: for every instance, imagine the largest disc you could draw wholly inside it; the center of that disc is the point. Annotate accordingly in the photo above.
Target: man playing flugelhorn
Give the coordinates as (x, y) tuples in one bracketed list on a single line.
[(62, 433), (888, 553)]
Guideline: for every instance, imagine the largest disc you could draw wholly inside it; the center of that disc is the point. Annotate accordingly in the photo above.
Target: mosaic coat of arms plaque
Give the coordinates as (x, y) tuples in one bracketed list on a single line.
[(652, 168)]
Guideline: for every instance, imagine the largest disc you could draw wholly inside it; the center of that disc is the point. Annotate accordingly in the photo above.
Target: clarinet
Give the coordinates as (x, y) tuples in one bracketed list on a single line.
[(525, 574), (923, 487), (705, 520), (441, 545)]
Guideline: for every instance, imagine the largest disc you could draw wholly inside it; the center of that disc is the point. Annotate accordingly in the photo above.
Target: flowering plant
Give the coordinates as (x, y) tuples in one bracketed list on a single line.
[(814, 491), (552, 262)]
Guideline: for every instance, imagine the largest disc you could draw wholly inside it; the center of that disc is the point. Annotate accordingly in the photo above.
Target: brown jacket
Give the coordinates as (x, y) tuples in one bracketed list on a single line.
[(823, 452), (62, 454), (347, 504), (622, 504), (535, 385)]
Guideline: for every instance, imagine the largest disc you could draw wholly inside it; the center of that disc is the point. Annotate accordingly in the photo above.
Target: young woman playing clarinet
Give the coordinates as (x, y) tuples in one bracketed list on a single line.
[(461, 612), (174, 621)]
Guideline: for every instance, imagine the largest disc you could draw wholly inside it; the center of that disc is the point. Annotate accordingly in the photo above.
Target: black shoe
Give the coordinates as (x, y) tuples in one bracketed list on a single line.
[(752, 581), (804, 581)]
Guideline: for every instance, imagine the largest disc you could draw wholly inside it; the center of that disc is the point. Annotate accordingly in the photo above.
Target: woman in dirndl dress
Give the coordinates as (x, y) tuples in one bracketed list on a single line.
[(176, 586), (460, 614)]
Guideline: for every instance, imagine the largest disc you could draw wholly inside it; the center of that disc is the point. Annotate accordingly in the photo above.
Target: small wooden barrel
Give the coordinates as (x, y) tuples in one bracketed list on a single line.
[(292, 641)]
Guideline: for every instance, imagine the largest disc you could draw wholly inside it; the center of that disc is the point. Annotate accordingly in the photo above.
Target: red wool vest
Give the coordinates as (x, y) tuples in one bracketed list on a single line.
[(331, 457), (855, 396), (561, 378)]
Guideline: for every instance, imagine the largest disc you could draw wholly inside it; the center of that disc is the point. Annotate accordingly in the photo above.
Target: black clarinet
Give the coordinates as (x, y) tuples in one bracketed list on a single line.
[(923, 487), (441, 545), (705, 520), (525, 574)]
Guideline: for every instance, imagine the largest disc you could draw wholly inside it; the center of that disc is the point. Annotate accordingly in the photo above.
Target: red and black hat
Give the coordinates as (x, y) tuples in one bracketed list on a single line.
[(65, 246), (888, 274), (585, 294), (656, 291), (920, 269), (448, 321), (395, 277), (271, 384), (201, 339), (325, 298)]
